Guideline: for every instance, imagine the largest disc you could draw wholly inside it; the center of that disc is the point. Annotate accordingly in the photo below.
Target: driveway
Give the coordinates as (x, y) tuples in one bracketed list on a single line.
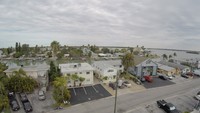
[(157, 82), (88, 93)]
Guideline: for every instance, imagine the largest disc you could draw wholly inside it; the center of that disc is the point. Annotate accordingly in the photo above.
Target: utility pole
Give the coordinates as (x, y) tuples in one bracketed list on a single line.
[(116, 85)]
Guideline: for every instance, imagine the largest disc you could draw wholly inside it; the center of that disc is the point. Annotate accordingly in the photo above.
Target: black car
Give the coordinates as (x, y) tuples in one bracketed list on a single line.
[(14, 105), (184, 76), (13, 102), (162, 77), (27, 106), (167, 107), (23, 97), (112, 85)]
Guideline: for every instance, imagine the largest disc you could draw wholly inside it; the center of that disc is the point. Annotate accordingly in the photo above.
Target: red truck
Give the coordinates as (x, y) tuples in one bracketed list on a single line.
[(148, 78)]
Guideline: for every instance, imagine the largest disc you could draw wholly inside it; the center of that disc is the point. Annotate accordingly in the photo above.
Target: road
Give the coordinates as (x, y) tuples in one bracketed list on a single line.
[(132, 101)]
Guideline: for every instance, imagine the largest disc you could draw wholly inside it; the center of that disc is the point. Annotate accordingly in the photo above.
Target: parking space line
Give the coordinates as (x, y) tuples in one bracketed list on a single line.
[(84, 90), (74, 91), (95, 89)]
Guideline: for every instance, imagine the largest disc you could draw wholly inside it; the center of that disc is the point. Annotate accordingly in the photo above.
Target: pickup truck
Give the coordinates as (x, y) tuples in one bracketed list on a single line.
[(167, 107)]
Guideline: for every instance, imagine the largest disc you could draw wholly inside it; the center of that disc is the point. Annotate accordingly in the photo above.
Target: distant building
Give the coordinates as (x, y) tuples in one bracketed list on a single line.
[(84, 70), (166, 70), (179, 68)]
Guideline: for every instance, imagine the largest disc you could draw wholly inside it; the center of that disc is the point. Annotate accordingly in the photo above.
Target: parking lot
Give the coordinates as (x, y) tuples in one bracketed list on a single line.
[(184, 102), (38, 106), (157, 82), (88, 93)]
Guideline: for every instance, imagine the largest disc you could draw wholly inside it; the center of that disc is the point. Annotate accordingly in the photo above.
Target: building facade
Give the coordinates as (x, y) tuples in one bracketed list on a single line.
[(84, 70)]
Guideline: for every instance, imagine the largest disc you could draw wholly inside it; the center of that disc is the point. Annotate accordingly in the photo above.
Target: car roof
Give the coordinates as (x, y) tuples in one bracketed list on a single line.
[(170, 105)]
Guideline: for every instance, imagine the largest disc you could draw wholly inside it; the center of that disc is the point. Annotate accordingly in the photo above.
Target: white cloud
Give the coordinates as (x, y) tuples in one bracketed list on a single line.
[(152, 23)]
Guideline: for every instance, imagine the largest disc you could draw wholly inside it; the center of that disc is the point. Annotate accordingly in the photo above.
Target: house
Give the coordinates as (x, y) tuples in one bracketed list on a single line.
[(147, 67), (166, 70), (108, 69), (38, 72), (179, 68), (84, 70)]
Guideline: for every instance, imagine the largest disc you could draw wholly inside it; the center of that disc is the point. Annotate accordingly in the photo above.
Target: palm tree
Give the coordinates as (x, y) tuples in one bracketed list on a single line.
[(164, 56), (55, 46), (170, 56), (175, 54), (81, 79), (128, 61), (74, 77)]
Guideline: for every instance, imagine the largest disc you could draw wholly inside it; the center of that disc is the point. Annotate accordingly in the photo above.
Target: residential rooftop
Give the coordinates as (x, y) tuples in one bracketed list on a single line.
[(75, 67)]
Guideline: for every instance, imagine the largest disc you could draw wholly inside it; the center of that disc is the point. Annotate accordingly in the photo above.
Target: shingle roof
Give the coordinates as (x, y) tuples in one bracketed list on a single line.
[(165, 67), (174, 65)]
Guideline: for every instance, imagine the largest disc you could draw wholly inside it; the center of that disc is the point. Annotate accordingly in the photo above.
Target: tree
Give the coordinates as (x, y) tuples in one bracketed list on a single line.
[(127, 61), (4, 103), (16, 47), (175, 54), (170, 56), (74, 77), (60, 93), (54, 71), (105, 50), (81, 79), (164, 56), (55, 46)]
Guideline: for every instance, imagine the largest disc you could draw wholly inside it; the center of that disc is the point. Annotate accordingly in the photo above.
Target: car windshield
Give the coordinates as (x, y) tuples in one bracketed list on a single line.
[(172, 108), (41, 93)]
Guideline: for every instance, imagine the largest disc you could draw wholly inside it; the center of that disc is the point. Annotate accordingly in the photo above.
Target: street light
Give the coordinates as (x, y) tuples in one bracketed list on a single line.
[(116, 85)]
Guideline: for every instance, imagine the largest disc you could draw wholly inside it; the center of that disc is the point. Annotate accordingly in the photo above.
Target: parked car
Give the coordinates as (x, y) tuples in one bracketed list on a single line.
[(197, 96), (23, 97), (127, 84), (27, 106), (41, 95), (167, 107), (14, 105), (148, 78), (13, 102), (170, 77), (184, 76), (112, 85), (162, 77)]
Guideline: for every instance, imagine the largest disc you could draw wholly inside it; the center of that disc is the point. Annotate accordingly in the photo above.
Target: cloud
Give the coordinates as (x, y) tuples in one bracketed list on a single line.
[(152, 23)]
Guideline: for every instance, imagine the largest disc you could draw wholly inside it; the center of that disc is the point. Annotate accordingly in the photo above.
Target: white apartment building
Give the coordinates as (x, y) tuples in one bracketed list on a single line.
[(108, 69), (84, 70)]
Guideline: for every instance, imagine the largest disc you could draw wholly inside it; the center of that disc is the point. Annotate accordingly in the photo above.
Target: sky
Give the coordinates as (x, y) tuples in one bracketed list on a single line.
[(173, 24)]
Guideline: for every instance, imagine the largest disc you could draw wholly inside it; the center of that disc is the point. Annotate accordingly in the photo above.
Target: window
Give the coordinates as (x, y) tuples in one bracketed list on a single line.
[(110, 70), (120, 66), (80, 72), (87, 72)]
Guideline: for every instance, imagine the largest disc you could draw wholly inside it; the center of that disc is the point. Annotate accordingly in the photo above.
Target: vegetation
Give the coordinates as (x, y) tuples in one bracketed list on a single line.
[(165, 57), (60, 92), (55, 46), (81, 79), (175, 54), (74, 77), (127, 61), (53, 72), (20, 82)]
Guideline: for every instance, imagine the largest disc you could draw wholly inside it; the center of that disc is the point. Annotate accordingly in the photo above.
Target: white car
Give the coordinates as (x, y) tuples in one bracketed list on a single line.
[(127, 84), (41, 95), (170, 77)]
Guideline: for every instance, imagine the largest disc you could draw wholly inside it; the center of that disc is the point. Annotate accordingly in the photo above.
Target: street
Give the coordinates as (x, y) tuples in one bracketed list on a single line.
[(131, 101)]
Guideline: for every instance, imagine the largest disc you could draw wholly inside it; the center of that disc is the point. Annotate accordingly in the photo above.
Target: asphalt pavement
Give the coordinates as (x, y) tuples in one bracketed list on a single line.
[(132, 101)]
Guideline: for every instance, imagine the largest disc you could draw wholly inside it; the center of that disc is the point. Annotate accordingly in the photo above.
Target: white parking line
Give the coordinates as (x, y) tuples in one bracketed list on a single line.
[(95, 89), (74, 91), (84, 90)]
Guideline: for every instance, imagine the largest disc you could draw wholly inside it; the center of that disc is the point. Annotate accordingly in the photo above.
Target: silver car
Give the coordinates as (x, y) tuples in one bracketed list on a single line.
[(41, 95)]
